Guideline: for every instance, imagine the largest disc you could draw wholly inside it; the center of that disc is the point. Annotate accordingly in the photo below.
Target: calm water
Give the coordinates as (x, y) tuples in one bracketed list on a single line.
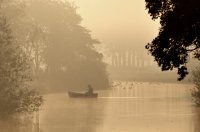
[(127, 107)]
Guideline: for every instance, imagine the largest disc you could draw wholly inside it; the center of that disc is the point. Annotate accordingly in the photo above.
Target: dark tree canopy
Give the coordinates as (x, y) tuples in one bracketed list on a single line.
[(179, 34)]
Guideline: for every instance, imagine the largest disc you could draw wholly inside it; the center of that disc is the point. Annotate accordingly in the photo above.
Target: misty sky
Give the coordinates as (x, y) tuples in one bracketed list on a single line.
[(118, 21)]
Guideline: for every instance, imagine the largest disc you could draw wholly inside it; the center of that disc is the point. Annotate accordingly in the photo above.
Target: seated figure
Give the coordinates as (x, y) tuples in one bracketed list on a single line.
[(90, 90)]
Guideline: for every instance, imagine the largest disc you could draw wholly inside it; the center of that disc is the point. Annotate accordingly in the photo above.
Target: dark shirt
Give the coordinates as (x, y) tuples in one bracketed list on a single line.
[(90, 90)]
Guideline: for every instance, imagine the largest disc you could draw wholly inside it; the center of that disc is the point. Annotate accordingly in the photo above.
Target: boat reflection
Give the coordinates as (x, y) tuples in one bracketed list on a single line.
[(72, 114)]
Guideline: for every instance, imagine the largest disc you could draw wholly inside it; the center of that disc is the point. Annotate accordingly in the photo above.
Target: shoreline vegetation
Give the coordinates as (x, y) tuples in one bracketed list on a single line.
[(16, 95), (43, 42)]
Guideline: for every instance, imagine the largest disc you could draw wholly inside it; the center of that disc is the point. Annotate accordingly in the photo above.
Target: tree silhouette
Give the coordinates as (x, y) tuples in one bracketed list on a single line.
[(179, 34)]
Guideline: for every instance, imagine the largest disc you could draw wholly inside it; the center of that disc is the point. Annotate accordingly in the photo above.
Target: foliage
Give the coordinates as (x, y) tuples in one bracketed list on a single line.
[(26, 31), (179, 34), (59, 49), (70, 52), (15, 95), (196, 81)]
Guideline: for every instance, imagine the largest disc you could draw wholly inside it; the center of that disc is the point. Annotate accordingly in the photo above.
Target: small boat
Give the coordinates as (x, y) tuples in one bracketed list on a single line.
[(82, 95)]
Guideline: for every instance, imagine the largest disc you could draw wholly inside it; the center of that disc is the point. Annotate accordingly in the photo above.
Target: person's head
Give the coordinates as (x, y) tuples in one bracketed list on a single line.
[(89, 86)]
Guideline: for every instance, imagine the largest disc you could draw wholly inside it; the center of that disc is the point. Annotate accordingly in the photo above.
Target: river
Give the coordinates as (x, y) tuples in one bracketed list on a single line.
[(126, 107)]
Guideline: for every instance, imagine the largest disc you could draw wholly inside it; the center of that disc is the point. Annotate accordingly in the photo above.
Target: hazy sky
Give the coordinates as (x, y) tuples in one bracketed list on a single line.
[(118, 21)]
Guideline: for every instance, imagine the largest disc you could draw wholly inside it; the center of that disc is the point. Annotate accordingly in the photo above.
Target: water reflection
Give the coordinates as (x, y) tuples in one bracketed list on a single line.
[(74, 115), (145, 107), (149, 108), (140, 107), (196, 119), (19, 123)]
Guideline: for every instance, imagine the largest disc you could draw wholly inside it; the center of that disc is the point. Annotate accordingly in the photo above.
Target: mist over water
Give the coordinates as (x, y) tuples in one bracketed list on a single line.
[(127, 106), (82, 66)]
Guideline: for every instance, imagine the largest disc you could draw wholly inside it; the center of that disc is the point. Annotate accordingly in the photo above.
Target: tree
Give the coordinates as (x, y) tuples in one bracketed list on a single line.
[(70, 56), (26, 31), (179, 34), (15, 93), (53, 38)]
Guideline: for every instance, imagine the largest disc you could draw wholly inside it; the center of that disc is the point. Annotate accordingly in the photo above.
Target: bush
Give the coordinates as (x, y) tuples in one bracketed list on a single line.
[(15, 93)]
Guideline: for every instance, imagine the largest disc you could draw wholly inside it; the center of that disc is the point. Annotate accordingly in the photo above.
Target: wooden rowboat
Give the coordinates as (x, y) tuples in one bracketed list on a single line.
[(82, 95)]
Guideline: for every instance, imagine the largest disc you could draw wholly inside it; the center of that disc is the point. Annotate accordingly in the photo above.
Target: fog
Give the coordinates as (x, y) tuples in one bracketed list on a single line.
[(125, 25), (82, 66), (118, 22)]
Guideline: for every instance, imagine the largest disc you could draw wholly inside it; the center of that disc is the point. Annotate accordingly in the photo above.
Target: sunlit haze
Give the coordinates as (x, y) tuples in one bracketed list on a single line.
[(118, 22), (98, 66)]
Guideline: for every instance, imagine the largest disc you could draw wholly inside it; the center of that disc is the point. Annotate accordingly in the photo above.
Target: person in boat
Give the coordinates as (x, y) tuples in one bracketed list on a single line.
[(90, 90)]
